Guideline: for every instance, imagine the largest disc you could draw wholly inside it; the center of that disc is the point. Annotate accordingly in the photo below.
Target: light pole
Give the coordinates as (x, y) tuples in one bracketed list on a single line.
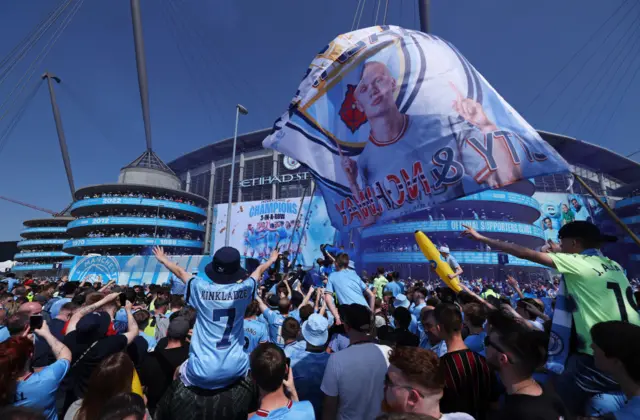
[(239, 110)]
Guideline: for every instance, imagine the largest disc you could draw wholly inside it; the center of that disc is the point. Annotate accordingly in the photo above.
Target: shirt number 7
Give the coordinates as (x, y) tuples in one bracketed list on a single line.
[(230, 314)]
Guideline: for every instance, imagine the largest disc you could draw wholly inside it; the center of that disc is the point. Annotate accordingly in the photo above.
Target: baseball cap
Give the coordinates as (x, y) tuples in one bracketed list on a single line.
[(357, 317), (178, 328), (584, 230), (444, 249), (401, 301), (315, 330)]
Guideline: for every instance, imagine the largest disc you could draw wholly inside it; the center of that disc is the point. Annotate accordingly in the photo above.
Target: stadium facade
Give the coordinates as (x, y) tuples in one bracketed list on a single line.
[(41, 249), (529, 212)]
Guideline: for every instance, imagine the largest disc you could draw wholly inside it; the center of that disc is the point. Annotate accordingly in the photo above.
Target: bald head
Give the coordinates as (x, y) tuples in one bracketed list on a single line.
[(31, 308)]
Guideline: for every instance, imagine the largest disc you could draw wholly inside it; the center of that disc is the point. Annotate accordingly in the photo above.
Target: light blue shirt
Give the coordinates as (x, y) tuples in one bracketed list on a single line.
[(275, 320), (415, 310), (453, 263), (582, 214), (295, 314), (338, 342), (308, 371), (39, 390), (295, 347), (348, 287), (151, 341), (475, 342), (292, 411), (11, 283), (177, 286), (216, 355), (440, 349), (255, 332), (395, 288), (4, 334)]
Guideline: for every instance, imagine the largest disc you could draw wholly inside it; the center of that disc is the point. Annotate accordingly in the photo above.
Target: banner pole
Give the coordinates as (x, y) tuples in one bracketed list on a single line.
[(304, 194), (608, 210), (306, 220)]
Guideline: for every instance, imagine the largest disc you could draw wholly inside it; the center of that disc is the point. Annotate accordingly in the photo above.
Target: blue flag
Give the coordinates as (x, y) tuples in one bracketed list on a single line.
[(391, 121)]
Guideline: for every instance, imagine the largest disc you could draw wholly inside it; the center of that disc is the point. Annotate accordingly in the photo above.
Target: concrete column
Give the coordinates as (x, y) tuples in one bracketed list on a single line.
[(274, 172), (603, 187), (188, 186), (210, 221), (240, 177)]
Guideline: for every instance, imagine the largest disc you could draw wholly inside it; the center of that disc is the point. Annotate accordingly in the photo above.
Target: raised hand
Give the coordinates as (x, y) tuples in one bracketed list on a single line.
[(471, 111), (350, 167), (471, 233)]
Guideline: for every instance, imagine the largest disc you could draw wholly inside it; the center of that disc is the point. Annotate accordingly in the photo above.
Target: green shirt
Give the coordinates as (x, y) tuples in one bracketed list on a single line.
[(379, 283), (600, 290)]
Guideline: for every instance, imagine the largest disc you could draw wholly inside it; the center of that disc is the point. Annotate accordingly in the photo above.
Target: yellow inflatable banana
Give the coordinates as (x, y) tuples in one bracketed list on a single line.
[(436, 260)]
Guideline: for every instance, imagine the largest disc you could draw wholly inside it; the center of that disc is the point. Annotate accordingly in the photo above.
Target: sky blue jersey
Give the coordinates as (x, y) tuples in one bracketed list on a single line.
[(255, 332), (216, 356), (275, 320), (292, 411)]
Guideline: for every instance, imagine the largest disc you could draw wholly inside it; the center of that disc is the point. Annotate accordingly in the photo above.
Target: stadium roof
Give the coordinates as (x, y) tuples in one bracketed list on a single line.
[(577, 152), (149, 160)]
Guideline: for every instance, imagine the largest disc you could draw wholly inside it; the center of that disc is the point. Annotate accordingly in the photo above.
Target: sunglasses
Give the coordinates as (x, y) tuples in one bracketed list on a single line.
[(489, 343), (389, 384)]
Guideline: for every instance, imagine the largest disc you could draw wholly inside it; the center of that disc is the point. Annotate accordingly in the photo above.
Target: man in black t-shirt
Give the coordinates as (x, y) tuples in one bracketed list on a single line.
[(158, 369), (515, 350)]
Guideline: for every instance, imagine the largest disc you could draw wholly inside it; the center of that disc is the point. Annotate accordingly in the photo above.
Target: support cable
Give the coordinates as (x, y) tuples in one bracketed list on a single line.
[(609, 65), (364, 2), (586, 121), (41, 56), (559, 94), (591, 38), (355, 15), (13, 63)]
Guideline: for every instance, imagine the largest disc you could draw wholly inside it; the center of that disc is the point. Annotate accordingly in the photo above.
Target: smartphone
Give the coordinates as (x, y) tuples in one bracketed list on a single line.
[(35, 322), (123, 299)]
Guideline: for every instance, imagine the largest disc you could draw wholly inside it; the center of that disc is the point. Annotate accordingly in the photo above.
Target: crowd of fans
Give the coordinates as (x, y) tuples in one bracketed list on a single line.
[(150, 213), (133, 194), (146, 232), (327, 343)]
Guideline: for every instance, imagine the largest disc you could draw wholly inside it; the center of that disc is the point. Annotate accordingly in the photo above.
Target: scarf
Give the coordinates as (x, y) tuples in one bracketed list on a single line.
[(562, 322)]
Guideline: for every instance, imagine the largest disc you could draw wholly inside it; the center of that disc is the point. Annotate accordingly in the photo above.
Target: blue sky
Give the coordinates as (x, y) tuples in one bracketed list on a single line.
[(205, 56)]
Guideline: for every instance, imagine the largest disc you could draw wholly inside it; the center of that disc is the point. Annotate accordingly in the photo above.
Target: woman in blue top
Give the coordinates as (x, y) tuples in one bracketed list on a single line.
[(19, 385)]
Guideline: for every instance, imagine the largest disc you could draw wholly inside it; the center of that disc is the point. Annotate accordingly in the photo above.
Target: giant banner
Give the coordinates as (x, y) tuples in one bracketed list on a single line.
[(391, 121), (129, 271), (558, 209), (258, 227)]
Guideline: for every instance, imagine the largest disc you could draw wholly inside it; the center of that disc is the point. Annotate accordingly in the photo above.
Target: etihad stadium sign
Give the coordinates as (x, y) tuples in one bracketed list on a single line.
[(275, 179)]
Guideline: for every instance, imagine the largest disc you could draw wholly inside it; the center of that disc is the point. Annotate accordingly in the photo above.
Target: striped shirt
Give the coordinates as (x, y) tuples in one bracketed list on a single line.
[(469, 384)]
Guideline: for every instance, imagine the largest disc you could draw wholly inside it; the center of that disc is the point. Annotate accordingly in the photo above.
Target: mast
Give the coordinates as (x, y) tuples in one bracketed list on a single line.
[(61, 138), (423, 10), (142, 69)]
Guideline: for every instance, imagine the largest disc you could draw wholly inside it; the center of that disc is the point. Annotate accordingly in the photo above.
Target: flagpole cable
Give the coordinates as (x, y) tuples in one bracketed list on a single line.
[(375, 22), (608, 210)]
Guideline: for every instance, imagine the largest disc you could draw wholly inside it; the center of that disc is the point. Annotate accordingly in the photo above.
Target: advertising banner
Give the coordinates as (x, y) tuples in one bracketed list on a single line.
[(129, 271), (558, 209), (257, 227), (149, 242), (391, 120), (485, 226)]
